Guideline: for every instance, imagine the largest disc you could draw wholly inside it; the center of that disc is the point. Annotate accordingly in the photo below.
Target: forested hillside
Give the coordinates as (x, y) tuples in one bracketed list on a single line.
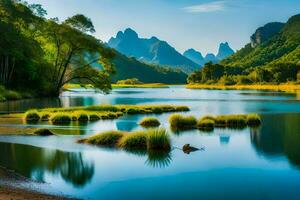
[(273, 56)]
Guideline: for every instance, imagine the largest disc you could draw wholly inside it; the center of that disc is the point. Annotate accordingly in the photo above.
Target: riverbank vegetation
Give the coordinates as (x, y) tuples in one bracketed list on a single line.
[(179, 122)]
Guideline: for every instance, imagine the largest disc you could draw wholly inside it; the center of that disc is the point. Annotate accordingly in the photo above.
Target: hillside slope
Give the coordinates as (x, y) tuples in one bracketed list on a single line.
[(279, 47)]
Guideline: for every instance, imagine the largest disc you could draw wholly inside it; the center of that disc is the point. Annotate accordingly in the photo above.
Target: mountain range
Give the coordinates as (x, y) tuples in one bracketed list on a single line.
[(224, 51), (156, 51), (271, 44)]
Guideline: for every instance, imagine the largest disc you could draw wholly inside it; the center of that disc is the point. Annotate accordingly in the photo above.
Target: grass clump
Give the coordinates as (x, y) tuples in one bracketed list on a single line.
[(206, 124), (233, 121), (134, 141), (45, 116), (109, 139), (82, 117), (43, 132), (158, 139), (178, 121), (253, 120), (94, 117), (61, 118), (149, 122), (32, 116)]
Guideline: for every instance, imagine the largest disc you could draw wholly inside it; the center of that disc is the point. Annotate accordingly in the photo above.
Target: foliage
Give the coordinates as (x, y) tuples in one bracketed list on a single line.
[(132, 81), (109, 139), (149, 122), (32, 116), (158, 139), (253, 120), (61, 118), (179, 122), (43, 54), (43, 132), (135, 140)]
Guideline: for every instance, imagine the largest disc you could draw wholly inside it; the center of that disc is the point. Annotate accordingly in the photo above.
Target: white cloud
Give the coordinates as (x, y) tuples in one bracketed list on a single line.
[(206, 7)]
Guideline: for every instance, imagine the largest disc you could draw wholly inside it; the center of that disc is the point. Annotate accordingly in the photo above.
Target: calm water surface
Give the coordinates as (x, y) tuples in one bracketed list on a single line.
[(262, 163)]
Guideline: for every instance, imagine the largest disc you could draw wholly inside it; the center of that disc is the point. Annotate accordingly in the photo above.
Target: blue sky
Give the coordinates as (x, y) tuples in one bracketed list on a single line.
[(198, 24)]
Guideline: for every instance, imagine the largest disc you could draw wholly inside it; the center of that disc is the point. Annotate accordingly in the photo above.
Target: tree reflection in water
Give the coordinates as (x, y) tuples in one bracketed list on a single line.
[(278, 135), (34, 162)]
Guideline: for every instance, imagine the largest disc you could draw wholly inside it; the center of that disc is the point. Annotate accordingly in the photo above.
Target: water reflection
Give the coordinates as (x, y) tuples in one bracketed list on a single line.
[(35, 163), (278, 135), (159, 159)]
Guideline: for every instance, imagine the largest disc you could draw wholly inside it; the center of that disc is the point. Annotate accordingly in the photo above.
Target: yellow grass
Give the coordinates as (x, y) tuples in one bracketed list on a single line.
[(281, 87)]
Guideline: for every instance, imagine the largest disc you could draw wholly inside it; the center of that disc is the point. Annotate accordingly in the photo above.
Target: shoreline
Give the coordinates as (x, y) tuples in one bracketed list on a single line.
[(12, 188), (282, 87)]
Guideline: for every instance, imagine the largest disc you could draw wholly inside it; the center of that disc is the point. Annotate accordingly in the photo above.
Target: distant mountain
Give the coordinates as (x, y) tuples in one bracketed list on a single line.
[(271, 44), (127, 68), (194, 56), (224, 51), (150, 50)]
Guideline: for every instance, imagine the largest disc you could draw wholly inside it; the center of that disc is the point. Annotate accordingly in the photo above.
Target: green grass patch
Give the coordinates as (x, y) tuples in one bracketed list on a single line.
[(134, 141), (108, 139), (82, 116), (206, 124), (32, 116), (180, 122), (149, 122), (61, 118), (253, 120), (43, 132), (158, 139)]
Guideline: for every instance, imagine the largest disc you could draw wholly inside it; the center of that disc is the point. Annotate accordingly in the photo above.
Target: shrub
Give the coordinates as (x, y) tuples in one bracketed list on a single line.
[(94, 117), (210, 117), (12, 95), (109, 139), (182, 122), (82, 117), (43, 132), (253, 120), (136, 140), (206, 124), (236, 121), (45, 116), (158, 139), (220, 121), (149, 122), (32, 116), (61, 118)]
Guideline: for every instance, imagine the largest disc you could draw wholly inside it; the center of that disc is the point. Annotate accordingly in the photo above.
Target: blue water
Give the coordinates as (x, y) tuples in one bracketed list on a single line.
[(261, 163)]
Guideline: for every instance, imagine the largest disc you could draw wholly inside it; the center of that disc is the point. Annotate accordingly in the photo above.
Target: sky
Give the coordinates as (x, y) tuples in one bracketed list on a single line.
[(198, 24)]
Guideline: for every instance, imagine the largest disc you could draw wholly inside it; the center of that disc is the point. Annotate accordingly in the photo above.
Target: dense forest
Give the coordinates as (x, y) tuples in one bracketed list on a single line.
[(38, 56), (275, 58)]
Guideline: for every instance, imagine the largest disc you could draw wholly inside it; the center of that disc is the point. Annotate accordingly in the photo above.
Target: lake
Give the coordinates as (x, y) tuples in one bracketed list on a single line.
[(252, 163)]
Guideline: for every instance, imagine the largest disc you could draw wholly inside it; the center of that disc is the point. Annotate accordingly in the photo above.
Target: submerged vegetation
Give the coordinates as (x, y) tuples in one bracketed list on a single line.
[(149, 122)]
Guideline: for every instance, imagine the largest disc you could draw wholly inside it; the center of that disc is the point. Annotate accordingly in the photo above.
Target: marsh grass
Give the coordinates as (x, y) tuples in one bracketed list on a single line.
[(158, 139), (253, 120), (43, 132), (32, 116), (108, 139), (45, 116), (159, 158), (149, 122), (206, 124), (134, 141), (238, 121), (61, 118), (82, 116), (94, 117), (180, 122)]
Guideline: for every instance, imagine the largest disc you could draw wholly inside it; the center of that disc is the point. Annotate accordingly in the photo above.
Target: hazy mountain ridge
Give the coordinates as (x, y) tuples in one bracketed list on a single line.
[(150, 50), (224, 51)]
